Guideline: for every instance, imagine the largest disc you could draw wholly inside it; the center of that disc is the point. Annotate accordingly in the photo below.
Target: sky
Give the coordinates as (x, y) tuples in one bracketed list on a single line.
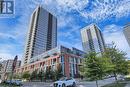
[(109, 15)]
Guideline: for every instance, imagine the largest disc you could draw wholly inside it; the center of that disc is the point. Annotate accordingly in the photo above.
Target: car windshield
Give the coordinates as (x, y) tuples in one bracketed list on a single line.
[(62, 79), (18, 80)]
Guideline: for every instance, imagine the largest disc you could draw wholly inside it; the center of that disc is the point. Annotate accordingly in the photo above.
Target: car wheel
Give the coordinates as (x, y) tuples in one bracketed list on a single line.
[(63, 85), (55, 84), (74, 85)]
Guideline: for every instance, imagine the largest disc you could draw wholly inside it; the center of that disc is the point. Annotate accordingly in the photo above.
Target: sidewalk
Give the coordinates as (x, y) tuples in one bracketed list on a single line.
[(93, 83)]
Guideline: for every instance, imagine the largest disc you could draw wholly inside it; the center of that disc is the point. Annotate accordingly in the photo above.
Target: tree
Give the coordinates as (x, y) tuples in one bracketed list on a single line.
[(48, 73), (93, 67), (33, 75), (16, 76), (118, 61), (26, 75), (58, 72), (129, 66), (8, 75), (1, 66), (41, 74)]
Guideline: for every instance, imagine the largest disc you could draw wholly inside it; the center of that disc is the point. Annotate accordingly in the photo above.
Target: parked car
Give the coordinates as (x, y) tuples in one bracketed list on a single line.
[(65, 82), (0, 81), (121, 77), (18, 82), (14, 82), (9, 81)]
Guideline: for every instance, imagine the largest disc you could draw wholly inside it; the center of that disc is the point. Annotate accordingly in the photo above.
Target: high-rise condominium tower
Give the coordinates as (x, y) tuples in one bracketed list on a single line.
[(92, 39), (127, 32), (42, 34), (1, 6)]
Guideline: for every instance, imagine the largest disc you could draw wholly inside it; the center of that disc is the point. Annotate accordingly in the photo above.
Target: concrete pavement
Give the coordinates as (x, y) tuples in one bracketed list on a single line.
[(93, 83)]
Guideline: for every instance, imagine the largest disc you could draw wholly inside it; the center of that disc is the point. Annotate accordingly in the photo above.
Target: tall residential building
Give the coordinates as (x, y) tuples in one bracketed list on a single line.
[(0, 6), (126, 32), (42, 35), (92, 39)]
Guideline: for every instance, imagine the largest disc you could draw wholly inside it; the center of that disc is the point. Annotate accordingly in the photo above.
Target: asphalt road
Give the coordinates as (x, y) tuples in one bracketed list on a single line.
[(79, 83)]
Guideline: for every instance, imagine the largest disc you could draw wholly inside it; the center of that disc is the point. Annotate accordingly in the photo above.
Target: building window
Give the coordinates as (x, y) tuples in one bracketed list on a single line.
[(54, 61), (62, 58)]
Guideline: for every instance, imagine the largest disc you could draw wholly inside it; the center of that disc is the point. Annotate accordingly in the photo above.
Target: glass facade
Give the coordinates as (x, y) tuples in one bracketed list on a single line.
[(42, 35), (92, 39), (126, 32)]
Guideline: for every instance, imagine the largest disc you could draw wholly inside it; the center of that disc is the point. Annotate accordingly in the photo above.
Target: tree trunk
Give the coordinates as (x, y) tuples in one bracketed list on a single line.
[(96, 83), (116, 79), (115, 76)]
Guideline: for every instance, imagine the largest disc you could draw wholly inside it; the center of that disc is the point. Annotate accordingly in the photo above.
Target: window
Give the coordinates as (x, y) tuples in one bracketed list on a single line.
[(62, 58)]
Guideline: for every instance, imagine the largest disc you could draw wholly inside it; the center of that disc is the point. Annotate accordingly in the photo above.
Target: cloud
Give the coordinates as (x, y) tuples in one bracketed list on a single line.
[(70, 37), (112, 29), (114, 33), (64, 21), (13, 32), (70, 5), (3, 35), (105, 9), (6, 56), (88, 10), (9, 51), (66, 5)]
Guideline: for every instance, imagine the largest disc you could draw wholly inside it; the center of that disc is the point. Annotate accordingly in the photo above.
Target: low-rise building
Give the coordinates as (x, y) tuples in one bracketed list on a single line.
[(6, 68), (69, 59)]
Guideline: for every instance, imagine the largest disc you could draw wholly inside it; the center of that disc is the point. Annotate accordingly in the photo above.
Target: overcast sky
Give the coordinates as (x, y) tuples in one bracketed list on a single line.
[(72, 15)]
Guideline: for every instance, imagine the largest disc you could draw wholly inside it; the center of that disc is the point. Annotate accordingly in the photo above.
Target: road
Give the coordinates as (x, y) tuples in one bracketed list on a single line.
[(79, 83)]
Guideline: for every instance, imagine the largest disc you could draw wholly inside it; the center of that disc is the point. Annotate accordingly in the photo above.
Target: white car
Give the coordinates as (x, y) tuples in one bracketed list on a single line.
[(65, 82), (18, 82), (0, 81)]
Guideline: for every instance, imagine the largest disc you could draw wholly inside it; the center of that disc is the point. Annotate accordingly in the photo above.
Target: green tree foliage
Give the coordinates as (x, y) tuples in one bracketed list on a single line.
[(129, 66), (41, 75), (26, 75), (93, 67), (0, 66), (53, 74), (33, 75), (16, 76), (118, 62), (111, 62), (58, 72), (48, 73)]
